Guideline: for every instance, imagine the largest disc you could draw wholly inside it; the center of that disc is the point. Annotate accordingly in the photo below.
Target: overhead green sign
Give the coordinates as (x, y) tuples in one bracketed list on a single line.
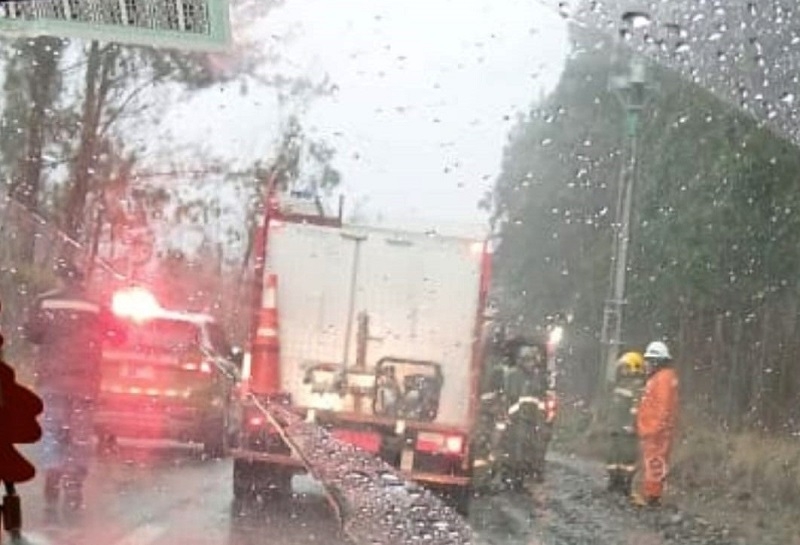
[(201, 25)]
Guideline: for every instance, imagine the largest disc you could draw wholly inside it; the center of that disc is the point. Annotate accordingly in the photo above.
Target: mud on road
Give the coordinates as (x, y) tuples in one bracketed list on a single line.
[(573, 508)]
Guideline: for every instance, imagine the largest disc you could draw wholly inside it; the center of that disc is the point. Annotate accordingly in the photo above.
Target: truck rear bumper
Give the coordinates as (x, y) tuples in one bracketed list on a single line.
[(384, 438), (434, 478), (291, 461)]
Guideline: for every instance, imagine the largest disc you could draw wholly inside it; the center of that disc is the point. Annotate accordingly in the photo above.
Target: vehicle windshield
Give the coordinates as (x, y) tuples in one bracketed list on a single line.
[(480, 271)]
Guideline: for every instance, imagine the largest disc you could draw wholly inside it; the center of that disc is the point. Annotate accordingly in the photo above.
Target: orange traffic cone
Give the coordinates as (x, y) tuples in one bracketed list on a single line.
[(265, 377)]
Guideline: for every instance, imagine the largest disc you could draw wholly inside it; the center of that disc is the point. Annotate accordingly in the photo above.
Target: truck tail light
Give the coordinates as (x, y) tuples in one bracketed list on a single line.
[(256, 421), (454, 444), (437, 443), (203, 367)]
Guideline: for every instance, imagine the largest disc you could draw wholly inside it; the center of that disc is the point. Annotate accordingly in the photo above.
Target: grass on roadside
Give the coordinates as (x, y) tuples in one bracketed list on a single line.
[(755, 474)]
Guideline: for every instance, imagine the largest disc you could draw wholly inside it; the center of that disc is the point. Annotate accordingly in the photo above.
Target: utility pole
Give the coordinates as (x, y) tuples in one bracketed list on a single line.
[(631, 90)]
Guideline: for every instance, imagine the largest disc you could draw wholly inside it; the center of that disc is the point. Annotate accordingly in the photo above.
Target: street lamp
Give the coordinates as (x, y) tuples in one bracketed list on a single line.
[(631, 89)]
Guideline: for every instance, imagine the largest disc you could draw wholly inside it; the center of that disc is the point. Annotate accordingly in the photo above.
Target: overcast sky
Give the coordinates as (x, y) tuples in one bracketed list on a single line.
[(427, 93)]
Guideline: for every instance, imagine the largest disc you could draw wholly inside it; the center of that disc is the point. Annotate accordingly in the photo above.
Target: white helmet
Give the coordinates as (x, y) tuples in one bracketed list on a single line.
[(657, 350)]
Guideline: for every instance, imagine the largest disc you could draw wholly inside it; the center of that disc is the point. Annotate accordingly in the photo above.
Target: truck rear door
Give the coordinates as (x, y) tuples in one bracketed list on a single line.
[(420, 293)]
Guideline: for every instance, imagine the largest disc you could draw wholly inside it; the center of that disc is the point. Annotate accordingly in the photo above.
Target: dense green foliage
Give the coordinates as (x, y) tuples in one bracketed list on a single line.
[(713, 266)]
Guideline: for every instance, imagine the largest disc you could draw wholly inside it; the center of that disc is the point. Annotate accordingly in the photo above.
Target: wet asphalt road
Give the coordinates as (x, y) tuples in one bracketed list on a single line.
[(148, 494)]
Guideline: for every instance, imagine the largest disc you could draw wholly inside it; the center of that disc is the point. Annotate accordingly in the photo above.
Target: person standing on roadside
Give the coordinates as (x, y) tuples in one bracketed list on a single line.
[(623, 452), (524, 442), (69, 330), (491, 420), (655, 422)]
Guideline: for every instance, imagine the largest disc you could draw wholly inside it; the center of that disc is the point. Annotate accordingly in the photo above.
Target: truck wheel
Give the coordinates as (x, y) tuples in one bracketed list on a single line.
[(252, 479), (273, 481), (459, 498), (243, 482)]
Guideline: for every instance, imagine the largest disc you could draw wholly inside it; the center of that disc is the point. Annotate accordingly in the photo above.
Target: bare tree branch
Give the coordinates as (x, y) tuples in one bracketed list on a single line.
[(127, 100)]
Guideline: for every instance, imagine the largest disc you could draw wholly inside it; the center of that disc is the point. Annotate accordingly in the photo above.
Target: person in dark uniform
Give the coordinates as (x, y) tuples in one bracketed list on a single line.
[(69, 330), (491, 421), (524, 442)]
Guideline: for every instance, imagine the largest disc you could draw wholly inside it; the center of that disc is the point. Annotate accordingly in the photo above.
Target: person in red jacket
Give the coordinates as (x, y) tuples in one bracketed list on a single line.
[(655, 422)]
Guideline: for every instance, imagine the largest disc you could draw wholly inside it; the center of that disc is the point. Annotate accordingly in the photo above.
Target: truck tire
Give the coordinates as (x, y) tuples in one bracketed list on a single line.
[(459, 498), (253, 479), (243, 483)]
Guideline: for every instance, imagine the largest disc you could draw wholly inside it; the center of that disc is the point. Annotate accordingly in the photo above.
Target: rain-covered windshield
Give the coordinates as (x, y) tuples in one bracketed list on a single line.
[(496, 272)]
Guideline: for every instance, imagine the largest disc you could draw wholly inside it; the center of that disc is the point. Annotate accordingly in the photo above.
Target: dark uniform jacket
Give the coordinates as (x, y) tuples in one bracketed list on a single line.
[(70, 330)]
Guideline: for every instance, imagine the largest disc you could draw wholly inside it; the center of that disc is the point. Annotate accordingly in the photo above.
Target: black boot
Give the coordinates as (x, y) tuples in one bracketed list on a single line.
[(613, 481), (626, 485)]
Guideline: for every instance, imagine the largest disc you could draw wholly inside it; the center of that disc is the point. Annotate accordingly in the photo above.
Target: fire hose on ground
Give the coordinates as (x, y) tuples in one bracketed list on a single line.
[(375, 505)]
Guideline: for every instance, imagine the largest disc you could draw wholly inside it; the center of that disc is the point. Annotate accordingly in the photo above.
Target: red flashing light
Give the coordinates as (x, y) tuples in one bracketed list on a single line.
[(256, 421), (454, 444), (135, 303)]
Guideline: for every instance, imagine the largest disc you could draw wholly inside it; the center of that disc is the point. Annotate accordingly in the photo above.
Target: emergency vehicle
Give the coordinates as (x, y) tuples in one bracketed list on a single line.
[(375, 334), (172, 378)]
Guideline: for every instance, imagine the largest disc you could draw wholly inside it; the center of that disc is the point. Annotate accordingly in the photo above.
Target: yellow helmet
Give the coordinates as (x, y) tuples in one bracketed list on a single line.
[(632, 363)]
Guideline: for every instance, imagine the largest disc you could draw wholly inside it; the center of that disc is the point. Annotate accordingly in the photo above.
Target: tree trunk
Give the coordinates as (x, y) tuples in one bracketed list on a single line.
[(99, 65), (26, 184)]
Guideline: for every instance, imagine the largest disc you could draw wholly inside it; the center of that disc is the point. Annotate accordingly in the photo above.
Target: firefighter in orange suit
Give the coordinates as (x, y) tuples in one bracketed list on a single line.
[(655, 423)]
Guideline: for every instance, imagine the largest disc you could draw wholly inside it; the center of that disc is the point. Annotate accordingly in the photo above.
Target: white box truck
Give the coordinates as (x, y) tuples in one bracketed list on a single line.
[(374, 333)]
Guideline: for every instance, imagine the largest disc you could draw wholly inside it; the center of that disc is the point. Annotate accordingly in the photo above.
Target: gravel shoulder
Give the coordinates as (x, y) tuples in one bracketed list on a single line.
[(573, 508)]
